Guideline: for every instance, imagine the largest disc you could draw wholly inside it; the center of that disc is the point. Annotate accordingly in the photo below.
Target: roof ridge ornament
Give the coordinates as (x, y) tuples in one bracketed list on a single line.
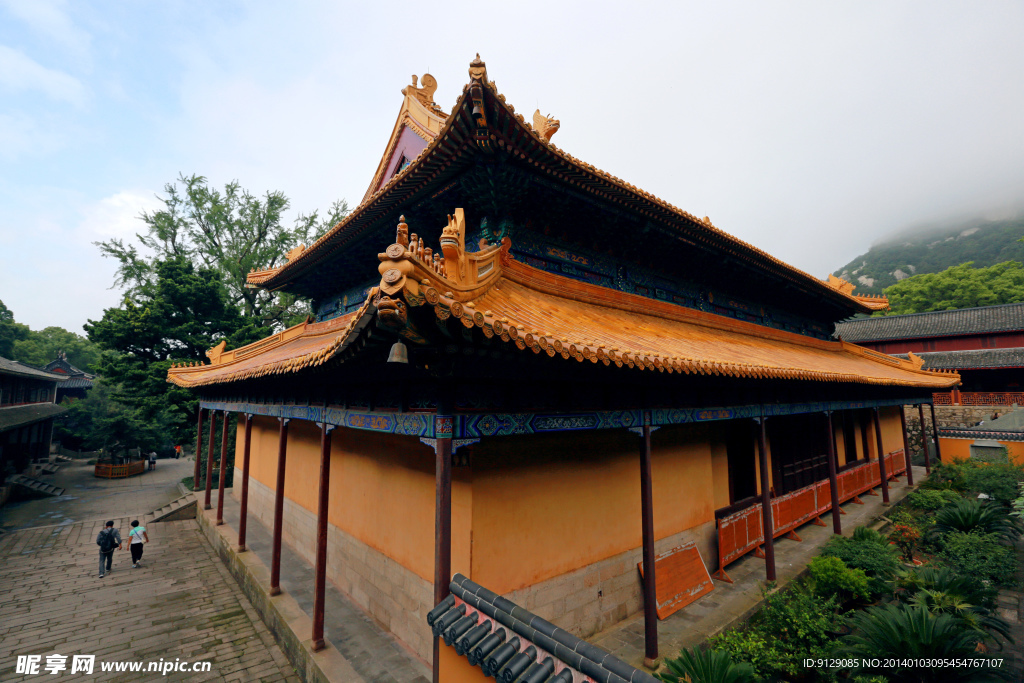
[(546, 126), (478, 70), (424, 95)]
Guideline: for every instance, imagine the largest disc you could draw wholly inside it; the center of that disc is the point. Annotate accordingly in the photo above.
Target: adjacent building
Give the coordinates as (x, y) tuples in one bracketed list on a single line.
[(28, 404)]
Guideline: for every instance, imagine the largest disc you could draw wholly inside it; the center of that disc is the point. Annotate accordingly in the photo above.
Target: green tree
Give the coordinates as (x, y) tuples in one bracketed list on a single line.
[(174, 318), (39, 348), (960, 286), (10, 332), (228, 233), (99, 421)]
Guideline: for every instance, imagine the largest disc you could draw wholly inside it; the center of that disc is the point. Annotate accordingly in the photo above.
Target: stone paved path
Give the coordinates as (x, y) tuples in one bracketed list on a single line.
[(88, 498), (374, 654), (182, 603)]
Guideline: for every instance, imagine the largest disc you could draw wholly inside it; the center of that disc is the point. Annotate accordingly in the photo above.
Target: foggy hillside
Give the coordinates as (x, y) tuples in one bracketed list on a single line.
[(932, 249)]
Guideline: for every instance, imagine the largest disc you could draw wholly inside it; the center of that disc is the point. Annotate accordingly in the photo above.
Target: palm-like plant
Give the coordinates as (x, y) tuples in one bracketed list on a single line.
[(976, 618), (945, 580), (969, 515), (707, 666), (908, 632)]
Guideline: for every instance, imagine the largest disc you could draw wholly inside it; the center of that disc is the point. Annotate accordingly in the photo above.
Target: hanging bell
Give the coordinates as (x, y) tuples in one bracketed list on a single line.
[(399, 354)]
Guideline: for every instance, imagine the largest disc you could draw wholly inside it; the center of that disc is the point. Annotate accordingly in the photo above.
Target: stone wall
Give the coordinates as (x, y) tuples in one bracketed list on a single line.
[(396, 598), (948, 417)]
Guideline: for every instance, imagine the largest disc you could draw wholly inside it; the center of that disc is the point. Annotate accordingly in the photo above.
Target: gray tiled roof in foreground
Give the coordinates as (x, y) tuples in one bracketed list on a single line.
[(513, 645)]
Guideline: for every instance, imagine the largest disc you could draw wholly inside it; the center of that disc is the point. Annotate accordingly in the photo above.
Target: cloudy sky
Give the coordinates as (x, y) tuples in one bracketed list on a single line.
[(808, 129)]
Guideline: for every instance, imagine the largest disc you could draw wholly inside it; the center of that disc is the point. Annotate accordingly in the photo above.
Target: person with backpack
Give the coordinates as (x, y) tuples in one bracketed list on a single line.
[(139, 536), (109, 540)]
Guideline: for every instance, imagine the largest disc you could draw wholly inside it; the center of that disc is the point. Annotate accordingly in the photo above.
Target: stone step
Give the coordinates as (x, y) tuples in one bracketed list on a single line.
[(49, 468), (62, 458), (171, 508), (35, 485)]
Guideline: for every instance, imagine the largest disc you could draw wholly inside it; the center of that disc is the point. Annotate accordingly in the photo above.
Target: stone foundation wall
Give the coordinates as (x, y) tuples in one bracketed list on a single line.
[(593, 598), (396, 598), (948, 417), (583, 601)]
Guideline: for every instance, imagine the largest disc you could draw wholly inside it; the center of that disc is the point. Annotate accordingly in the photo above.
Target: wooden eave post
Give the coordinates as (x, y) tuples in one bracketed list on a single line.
[(766, 502), (647, 522), (223, 468), (924, 439), (906, 447), (275, 553), (881, 457), (199, 449), (935, 433), (209, 462), (320, 571), (833, 480), (243, 512), (443, 428)]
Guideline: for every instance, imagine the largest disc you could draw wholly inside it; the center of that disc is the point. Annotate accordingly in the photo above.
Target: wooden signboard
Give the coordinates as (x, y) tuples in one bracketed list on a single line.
[(681, 577)]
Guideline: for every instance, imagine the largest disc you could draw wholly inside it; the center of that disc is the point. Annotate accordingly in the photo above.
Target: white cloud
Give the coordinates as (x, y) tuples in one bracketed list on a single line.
[(18, 71), (117, 216), (51, 21)]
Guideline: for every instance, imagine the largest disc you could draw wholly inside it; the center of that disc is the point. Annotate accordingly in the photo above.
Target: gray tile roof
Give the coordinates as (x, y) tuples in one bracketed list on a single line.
[(975, 359), (18, 416), (509, 643), (1004, 318), (13, 367)]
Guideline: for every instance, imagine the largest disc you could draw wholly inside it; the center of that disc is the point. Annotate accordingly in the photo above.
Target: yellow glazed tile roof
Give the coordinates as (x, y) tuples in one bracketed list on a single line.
[(546, 313), (305, 345)]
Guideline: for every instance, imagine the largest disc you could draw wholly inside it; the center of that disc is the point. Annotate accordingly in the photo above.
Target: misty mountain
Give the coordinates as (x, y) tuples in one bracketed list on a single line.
[(933, 249)]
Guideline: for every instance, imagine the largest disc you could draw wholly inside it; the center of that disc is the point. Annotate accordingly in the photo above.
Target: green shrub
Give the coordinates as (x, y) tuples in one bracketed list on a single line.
[(873, 554), (968, 515), (946, 476), (1000, 481), (905, 632), (790, 627), (931, 500), (980, 556), (832, 577), (707, 666)]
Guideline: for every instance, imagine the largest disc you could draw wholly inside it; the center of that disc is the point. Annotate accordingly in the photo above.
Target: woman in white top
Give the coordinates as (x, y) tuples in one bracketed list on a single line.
[(138, 535)]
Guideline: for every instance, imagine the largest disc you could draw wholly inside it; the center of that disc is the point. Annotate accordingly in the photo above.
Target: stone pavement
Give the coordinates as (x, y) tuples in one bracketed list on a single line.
[(182, 604), (87, 497), (374, 654), (729, 603)]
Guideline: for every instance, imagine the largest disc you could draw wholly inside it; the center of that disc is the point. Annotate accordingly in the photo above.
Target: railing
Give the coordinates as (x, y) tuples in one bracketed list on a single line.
[(108, 471), (743, 531), (978, 398)]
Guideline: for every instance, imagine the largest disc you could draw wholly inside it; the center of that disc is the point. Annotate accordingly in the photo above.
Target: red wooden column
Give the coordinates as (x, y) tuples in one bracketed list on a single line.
[(881, 457), (833, 481), (906, 447), (320, 575), (766, 502), (199, 448), (647, 521), (924, 439), (223, 468), (443, 429), (209, 463), (935, 433), (275, 553), (245, 484)]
